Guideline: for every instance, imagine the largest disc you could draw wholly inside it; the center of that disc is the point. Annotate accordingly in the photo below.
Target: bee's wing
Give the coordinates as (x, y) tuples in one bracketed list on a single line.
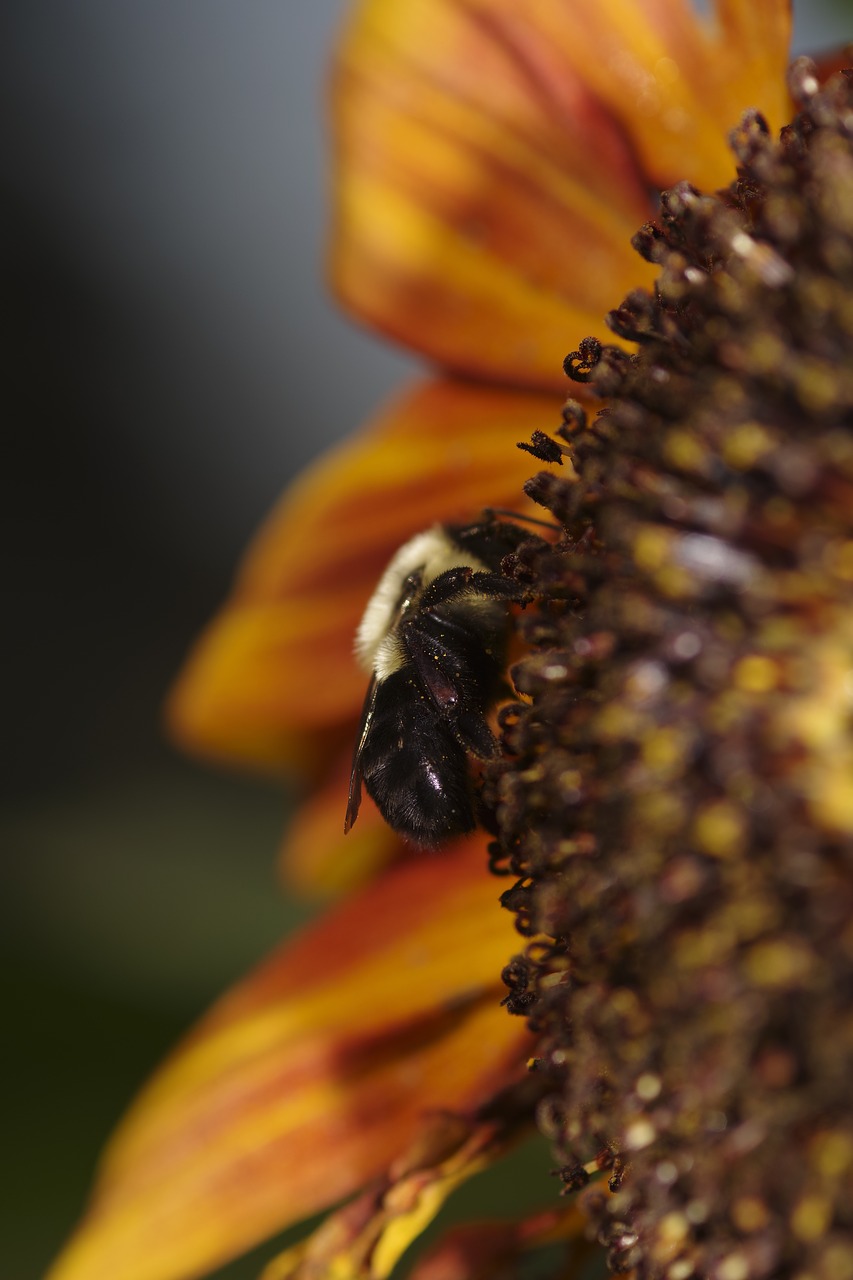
[(354, 798)]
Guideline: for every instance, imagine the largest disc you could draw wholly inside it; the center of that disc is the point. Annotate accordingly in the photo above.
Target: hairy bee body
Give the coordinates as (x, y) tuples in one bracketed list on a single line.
[(434, 638)]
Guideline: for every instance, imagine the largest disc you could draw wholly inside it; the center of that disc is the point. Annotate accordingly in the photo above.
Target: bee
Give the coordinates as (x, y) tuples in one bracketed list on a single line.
[(434, 640)]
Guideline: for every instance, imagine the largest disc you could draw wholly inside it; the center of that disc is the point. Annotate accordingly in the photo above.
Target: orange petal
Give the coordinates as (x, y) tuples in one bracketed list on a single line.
[(366, 1239), (495, 159), (310, 1076), (677, 83), (276, 665), (485, 202), (317, 859)]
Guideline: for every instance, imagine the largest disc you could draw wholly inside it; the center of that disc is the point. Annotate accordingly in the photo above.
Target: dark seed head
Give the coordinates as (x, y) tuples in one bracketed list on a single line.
[(677, 798)]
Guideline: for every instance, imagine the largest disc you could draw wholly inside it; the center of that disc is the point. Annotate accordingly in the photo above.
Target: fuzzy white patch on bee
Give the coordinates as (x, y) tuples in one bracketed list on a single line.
[(426, 556)]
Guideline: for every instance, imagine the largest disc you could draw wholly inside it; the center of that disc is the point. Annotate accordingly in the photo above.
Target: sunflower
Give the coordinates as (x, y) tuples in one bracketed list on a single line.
[(493, 163)]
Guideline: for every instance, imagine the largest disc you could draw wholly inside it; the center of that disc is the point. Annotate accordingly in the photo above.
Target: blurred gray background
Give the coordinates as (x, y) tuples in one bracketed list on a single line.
[(172, 359)]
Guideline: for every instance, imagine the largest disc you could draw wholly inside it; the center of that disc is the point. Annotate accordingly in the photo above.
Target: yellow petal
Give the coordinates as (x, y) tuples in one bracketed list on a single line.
[(495, 158), (366, 1239), (758, 34), (273, 681), (311, 1076)]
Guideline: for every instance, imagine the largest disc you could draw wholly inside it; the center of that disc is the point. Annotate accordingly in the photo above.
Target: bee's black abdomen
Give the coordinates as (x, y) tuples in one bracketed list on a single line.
[(434, 638), (414, 768)]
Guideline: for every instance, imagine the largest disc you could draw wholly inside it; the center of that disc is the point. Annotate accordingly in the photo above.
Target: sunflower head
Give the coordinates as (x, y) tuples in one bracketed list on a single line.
[(677, 801)]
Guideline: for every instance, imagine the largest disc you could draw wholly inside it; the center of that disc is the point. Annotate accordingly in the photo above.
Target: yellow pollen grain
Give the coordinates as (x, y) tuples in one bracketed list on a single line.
[(534, 774), (697, 948), (749, 1213), (767, 352), (785, 633), (831, 796), (719, 830), (811, 1218), (819, 720), (660, 811), (673, 1228), (682, 1269), (734, 1267), (676, 583), (648, 1086), (778, 963), (842, 561), (624, 1002), (756, 674), (815, 384), (684, 451), (617, 723), (651, 548), (663, 750), (745, 445), (639, 1134), (751, 916), (832, 1154)]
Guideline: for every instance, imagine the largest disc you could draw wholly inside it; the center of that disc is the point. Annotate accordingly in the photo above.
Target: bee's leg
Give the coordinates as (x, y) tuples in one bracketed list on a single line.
[(462, 581), (458, 689), (438, 667), (490, 513)]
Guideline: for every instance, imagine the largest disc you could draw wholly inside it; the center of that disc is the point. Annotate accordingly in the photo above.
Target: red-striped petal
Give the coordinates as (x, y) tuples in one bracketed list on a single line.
[(495, 158), (311, 1076)]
